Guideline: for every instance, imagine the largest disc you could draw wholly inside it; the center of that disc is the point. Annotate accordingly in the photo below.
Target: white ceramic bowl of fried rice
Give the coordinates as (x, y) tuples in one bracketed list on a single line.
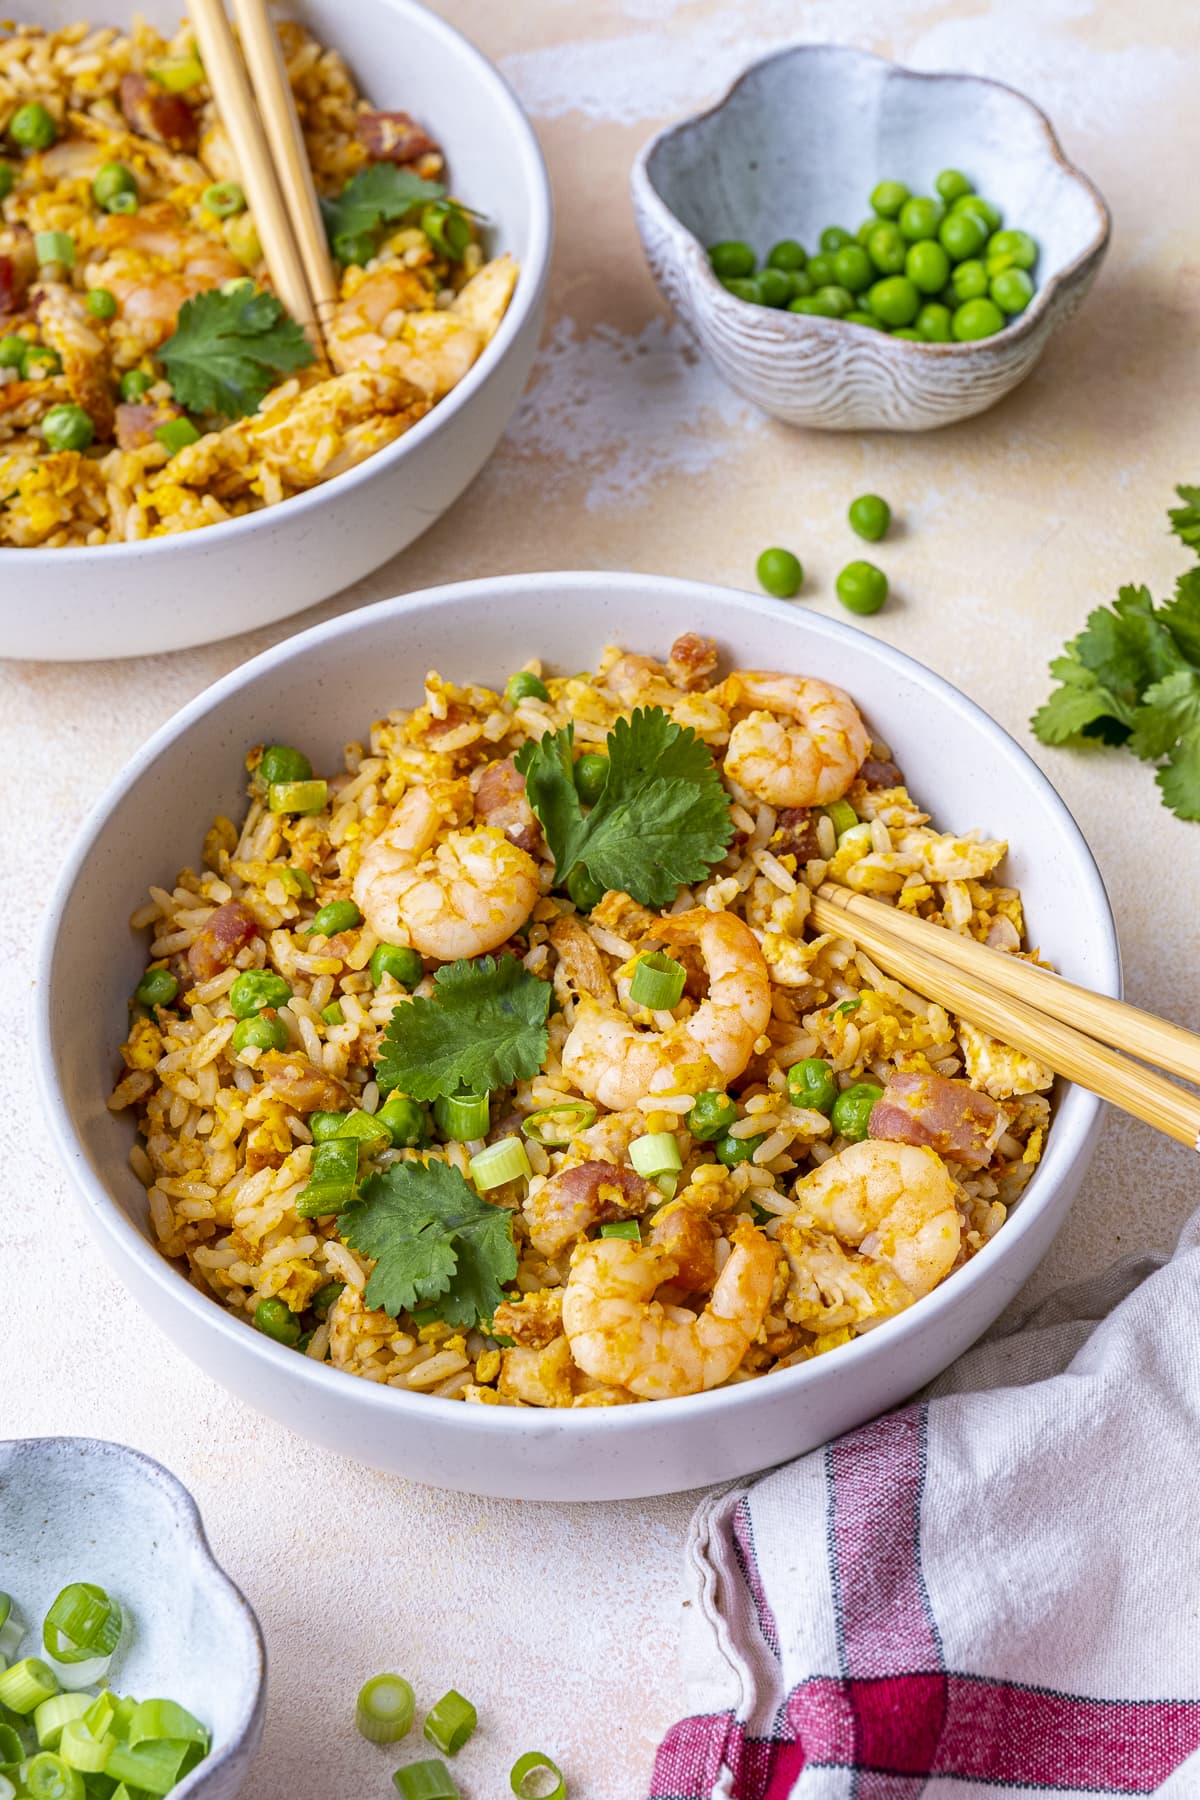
[(167, 592), (332, 681)]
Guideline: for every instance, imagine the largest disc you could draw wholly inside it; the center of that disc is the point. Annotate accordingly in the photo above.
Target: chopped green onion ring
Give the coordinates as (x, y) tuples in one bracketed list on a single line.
[(430, 1780), (577, 1114), (623, 1228), (656, 1154), (385, 1707), (461, 1117), (529, 1768), (331, 1182), (500, 1163), (53, 1714), (80, 1750), (841, 816), (26, 1684), (450, 1723), (302, 797), (54, 247), (658, 982), (81, 1624), (47, 1777)]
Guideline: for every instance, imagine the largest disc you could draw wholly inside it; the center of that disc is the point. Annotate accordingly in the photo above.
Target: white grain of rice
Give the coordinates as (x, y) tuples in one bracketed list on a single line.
[(773, 869), (826, 835), (772, 1146), (881, 838), (772, 1201), (745, 1128), (318, 1344), (671, 1103), (437, 1368), (340, 1262)]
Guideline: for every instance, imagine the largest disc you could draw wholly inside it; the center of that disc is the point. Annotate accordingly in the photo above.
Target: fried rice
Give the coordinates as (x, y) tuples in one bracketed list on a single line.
[(411, 319), (226, 1139)]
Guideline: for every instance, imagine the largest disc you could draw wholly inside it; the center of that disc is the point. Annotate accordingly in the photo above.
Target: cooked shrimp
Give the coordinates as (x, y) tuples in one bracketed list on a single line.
[(156, 263), (893, 1202), (64, 324), (641, 681), (458, 897), (386, 324), (831, 1288), (614, 1062), (583, 1195), (581, 967), (621, 1335), (808, 761)]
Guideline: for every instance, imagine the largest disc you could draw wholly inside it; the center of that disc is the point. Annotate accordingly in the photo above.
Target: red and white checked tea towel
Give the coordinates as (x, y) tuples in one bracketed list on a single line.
[(992, 1592)]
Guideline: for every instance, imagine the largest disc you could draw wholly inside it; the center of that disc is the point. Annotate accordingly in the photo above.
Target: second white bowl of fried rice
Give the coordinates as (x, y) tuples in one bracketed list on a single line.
[(175, 466), (433, 1028)]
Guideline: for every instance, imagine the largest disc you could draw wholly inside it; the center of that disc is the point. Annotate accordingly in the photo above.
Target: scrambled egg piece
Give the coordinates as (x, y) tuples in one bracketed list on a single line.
[(997, 1068)]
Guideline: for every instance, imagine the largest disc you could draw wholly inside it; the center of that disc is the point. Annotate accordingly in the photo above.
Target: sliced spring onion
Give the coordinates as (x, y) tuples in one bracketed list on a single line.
[(556, 1125), (224, 198), (841, 815), (7, 1790), (857, 836), (74, 1677), (430, 1780), (177, 73), (666, 1185), (498, 1163), (11, 1629), (623, 1228), (155, 1719), (47, 1777), (658, 982), (54, 247), (50, 1717), (450, 1723), (26, 1685), (80, 1750), (461, 1117), (82, 1623), (656, 1154), (303, 797), (176, 434), (365, 1127), (331, 1184), (535, 1777), (153, 1767), (12, 1750), (333, 1014), (384, 1710)]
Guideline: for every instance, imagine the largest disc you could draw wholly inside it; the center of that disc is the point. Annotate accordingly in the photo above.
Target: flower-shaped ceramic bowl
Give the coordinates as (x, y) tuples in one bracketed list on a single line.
[(81, 1509), (798, 143)]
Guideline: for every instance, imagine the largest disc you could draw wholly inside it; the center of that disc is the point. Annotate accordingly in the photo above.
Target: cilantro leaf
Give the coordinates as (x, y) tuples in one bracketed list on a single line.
[(484, 1028), (1181, 616), (1179, 779), (373, 197), (1079, 708), (228, 346), (1127, 647), (1169, 710), (1185, 519), (662, 819), (433, 1241)]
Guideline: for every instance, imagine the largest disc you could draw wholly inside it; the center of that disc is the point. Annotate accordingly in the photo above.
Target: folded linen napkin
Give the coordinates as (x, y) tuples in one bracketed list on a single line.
[(993, 1591)]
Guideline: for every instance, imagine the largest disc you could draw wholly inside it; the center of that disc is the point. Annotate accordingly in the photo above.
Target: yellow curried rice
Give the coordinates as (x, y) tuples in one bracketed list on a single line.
[(410, 321), (226, 1141)]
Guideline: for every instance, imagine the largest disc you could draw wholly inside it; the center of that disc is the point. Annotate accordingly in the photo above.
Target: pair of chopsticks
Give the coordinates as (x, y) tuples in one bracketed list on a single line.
[(1068, 1028), (255, 102)]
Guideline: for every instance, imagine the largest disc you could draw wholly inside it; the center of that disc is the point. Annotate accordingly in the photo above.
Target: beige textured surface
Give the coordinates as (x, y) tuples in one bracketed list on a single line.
[(561, 1623)]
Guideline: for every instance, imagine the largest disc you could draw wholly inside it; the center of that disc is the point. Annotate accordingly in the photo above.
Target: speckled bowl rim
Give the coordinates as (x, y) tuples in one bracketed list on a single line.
[(810, 323), (526, 298), (1075, 1123), (185, 1506)]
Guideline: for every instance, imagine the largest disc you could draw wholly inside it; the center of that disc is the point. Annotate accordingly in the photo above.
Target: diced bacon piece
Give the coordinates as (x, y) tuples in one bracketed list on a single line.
[(8, 284), (691, 1242), (951, 1117), (692, 661), (877, 774), (795, 834), (157, 114), (500, 802), (392, 137), (300, 1084), (218, 941), (138, 420)]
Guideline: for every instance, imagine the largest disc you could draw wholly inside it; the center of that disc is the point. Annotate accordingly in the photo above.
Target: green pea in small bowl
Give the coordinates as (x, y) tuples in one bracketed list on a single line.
[(798, 143)]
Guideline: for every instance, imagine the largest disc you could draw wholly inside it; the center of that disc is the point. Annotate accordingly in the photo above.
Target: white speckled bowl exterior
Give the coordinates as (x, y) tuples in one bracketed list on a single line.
[(81, 1509), (798, 143), (335, 679), (166, 593)]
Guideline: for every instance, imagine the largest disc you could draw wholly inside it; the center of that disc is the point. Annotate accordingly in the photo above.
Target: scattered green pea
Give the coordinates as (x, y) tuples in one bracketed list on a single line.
[(811, 1084), (731, 257), (277, 1320), (817, 306), (983, 209), (101, 303), (261, 1032), (326, 1298), (525, 685), (801, 282), (820, 269), (135, 384), (591, 773), (402, 963), (742, 287), (952, 184), (910, 333), (1012, 290), (12, 351), (933, 322), (895, 300), (158, 987), (886, 248), (731, 1151), (870, 517), (583, 889), (32, 127), (834, 238), (927, 266), (787, 254), (113, 181), (711, 1116), (969, 281), (962, 235), (839, 298), (862, 588), (851, 1112), (976, 319), (780, 573), (853, 268), (887, 197), (774, 287), (40, 362), (1011, 250), (281, 762), (68, 427), (335, 916), (256, 989), (864, 318)]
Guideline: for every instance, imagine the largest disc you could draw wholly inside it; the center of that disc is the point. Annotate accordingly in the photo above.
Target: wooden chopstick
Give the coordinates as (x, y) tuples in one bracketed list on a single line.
[(285, 139), (231, 90), (1103, 1071), (1110, 1021)]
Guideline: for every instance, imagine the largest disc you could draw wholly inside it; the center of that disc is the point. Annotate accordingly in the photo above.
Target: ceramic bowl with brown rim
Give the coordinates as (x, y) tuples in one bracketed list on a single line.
[(798, 143)]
